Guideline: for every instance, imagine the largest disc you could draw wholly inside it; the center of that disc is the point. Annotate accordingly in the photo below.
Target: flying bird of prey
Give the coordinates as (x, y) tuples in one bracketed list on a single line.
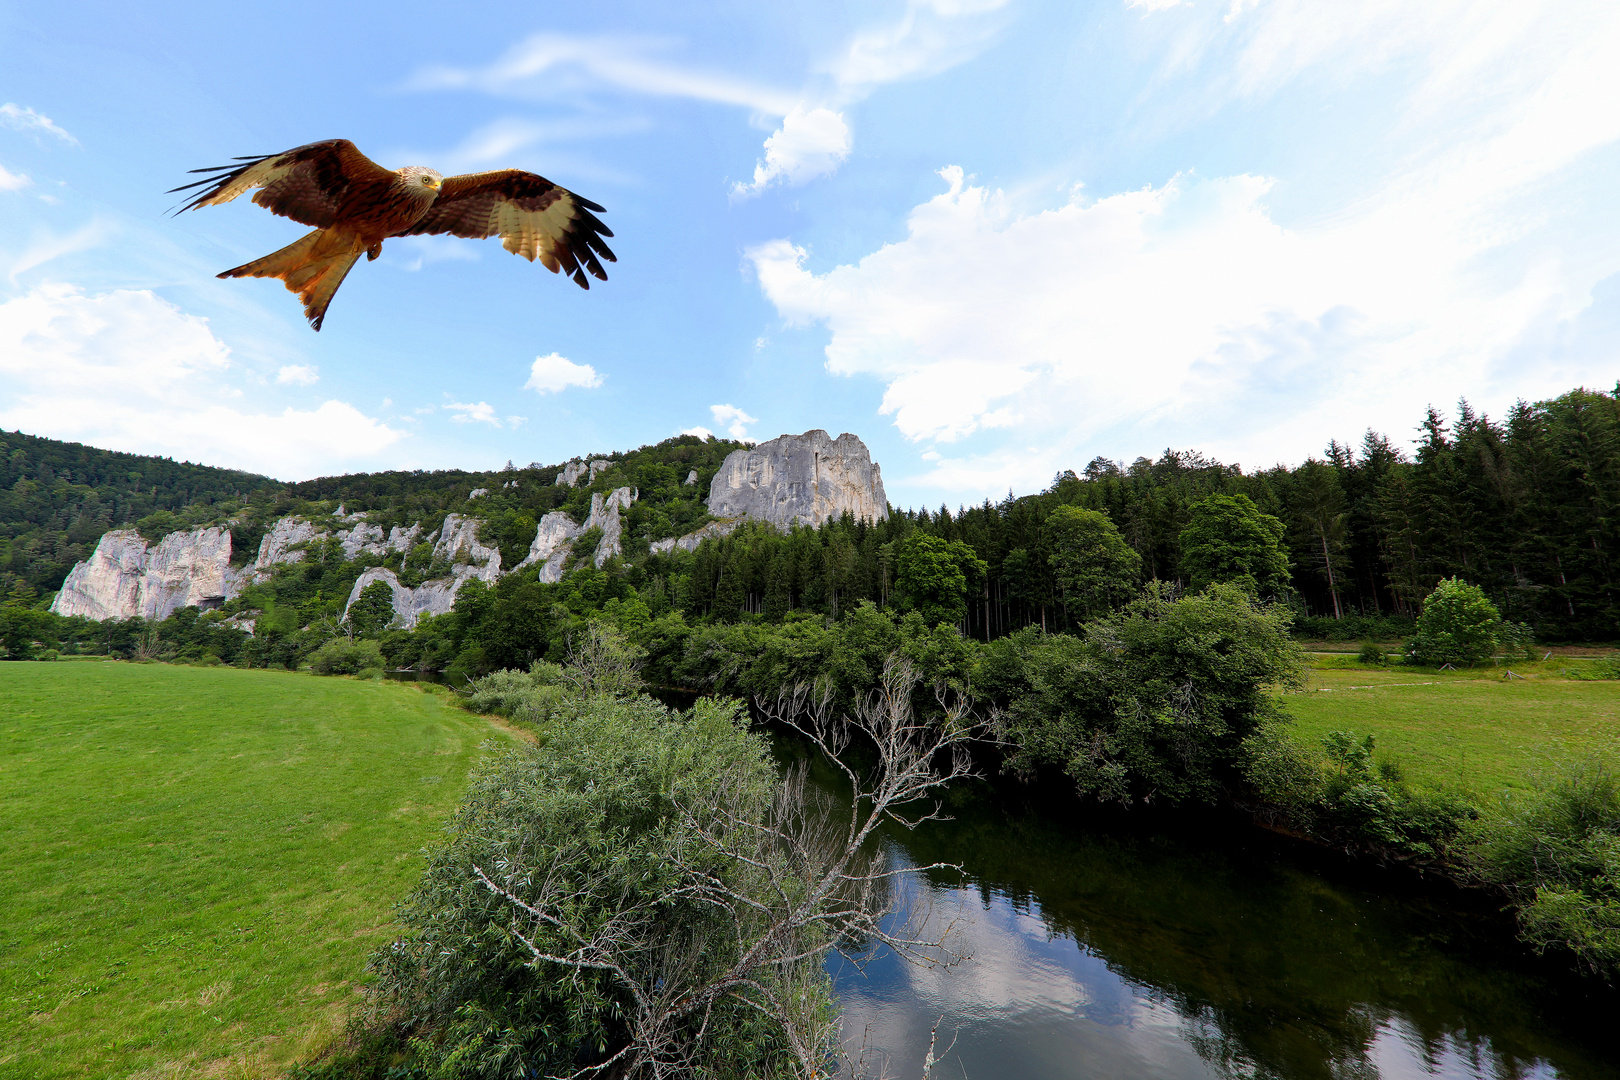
[(355, 204)]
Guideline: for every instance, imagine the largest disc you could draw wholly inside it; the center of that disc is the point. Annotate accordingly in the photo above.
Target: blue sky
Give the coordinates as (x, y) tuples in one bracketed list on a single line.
[(994, 238)]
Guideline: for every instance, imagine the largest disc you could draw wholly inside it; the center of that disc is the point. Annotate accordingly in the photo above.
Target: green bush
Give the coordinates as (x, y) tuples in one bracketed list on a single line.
[(1372, 653), (1557, 853), (1459, 625), (341, 656), (1152, 704), (534, 695), (590, 823)]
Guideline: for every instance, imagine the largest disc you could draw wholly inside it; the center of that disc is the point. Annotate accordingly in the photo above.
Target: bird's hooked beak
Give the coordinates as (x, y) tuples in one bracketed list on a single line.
[(435, 183)]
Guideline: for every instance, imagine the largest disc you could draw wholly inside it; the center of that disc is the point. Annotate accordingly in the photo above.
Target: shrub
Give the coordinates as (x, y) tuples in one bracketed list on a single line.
[(1372, 653), (1557, 853), (596, 813), (533, 695), (1459, 625), (1154, 703), (343, 657)]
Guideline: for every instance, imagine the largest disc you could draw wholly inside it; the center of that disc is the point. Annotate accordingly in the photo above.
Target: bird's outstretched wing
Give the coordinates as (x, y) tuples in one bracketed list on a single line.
[(534, 218), (308, 183)]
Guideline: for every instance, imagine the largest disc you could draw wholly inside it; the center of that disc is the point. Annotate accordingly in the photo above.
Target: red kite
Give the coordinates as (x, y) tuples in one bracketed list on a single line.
[(355, 204)]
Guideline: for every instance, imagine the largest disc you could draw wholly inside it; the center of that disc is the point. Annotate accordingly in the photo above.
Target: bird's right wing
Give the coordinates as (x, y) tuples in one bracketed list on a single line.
[(308, 183), (533, 217)]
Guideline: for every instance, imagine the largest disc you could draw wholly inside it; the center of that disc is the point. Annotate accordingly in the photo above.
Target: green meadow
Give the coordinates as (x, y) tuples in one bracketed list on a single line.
[(195, 862), (1476, 730)]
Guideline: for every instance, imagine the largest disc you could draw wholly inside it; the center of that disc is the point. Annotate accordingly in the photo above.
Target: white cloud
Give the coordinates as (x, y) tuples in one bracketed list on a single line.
[(542, 61), (128, 370), (1185, 309), (809, 143), (19, 118), (812, 137), (302, 375), (480, 413), (46, 245), (10, 181), (929, 37), (700, 432), (733, 419), (553, 373), (1155, 5)]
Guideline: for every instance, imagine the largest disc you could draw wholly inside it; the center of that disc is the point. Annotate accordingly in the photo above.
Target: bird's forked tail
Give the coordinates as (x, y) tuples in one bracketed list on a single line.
[(312, 266)]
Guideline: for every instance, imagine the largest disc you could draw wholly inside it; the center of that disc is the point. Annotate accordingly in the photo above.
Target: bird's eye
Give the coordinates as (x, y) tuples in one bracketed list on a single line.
[(428, 180)]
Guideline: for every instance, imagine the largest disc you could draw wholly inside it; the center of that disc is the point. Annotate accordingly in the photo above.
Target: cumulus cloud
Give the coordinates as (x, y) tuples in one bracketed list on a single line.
[(809, 143), (129, 370), (302, 375), (733, 419), (10, 181), (1183, 307), (481, 412), (18, 118), (553, 372), (700, 431)]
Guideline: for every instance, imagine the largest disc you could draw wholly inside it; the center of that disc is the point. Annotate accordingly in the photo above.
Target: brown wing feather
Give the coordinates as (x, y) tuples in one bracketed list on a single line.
[(534, 218), (309, 184)]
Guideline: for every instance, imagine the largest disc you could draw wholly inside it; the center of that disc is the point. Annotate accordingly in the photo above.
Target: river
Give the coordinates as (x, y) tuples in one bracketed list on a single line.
[(1109, 948)]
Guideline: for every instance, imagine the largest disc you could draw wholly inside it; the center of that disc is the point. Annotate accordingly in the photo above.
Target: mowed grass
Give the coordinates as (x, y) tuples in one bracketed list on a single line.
[(1471, 729), (195, 862)]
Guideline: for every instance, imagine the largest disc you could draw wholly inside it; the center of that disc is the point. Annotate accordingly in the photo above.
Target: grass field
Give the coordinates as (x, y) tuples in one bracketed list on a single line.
[(1467, 729), (195, 862)]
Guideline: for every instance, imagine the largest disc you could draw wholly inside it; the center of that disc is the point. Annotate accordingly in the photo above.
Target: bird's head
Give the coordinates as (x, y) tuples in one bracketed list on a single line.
[(420, 178)]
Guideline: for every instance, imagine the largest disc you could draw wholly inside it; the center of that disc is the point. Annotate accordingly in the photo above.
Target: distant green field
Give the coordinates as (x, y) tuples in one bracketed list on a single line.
[(195, 862), (1468, 729)]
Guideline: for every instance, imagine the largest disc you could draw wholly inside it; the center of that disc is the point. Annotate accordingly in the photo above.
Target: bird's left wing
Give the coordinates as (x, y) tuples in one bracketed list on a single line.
[(534, 218), (307, 183)]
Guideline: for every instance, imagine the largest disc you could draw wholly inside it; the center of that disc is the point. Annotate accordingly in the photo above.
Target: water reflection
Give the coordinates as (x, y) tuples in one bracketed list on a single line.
[(1119, 954)]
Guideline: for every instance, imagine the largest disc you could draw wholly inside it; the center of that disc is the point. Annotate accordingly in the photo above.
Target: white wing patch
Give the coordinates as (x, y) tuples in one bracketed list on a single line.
[(530, 234)]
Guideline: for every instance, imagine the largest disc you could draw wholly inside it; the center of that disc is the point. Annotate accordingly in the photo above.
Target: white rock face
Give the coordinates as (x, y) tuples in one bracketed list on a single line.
[(691, 479), (285, 533), (575, 471), (557, 532), (476, 492), (458, 543), (800, 479), (124, 577), (691, 540)]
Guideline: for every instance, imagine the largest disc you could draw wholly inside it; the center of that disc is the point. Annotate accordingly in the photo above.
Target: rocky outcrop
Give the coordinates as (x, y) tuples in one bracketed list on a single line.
[(125, 577), (800, 480), (691, 479), (691, 540), (556, 533), (476, 493), (575, 471), (291, 533), (456, 543)]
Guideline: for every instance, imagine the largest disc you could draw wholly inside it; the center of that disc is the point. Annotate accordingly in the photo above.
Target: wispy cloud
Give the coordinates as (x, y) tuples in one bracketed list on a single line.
[(301, 375), (21, 118), (473, 413), (554, 372), (46, 245), (540, 64), (10, 181), (812, 136)]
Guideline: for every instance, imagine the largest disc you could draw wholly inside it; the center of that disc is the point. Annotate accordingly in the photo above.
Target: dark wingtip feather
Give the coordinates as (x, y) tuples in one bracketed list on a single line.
[(587, 204)]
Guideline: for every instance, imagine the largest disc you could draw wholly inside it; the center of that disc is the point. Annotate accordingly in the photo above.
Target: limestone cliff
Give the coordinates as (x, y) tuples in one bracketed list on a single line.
[(557, 531), (799, 479), (456, 543), (125, 577)]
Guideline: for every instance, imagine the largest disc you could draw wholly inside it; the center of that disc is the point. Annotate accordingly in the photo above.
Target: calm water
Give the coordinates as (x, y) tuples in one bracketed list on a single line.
[(1111, 951)]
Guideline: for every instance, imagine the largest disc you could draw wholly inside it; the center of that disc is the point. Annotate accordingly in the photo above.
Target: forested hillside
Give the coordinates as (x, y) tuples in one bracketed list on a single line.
[(57, 498), (1527, 507)]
